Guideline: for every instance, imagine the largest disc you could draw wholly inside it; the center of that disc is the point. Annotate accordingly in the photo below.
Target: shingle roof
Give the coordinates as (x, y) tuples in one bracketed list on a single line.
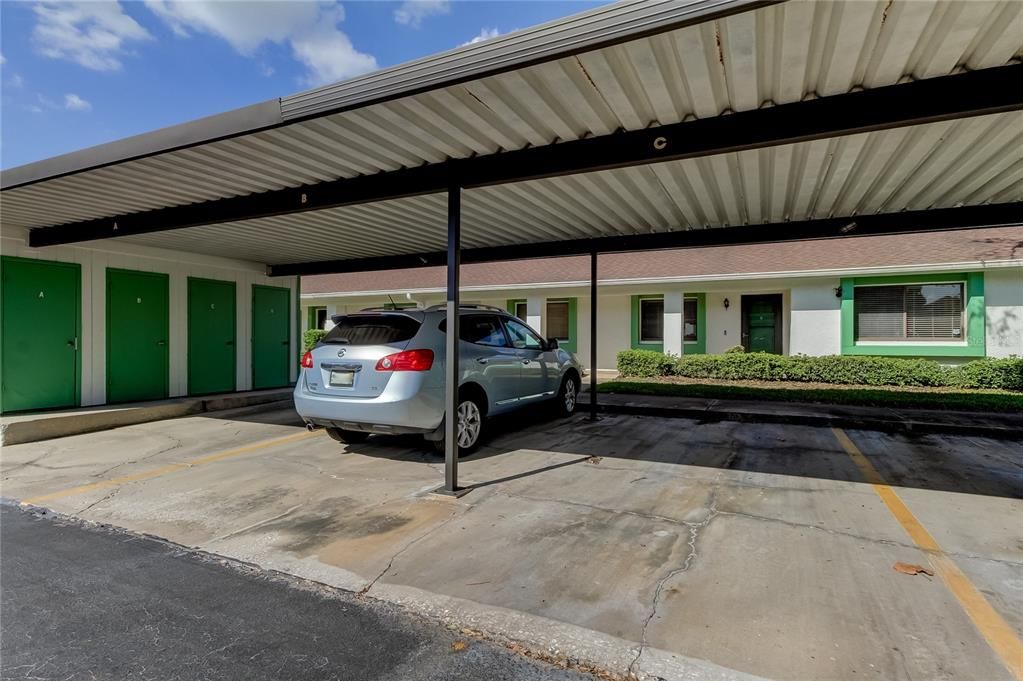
[(939, 248)]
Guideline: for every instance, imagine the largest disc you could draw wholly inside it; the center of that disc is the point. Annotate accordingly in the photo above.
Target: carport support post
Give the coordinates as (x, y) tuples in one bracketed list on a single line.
[(451, 341), (593, 336)]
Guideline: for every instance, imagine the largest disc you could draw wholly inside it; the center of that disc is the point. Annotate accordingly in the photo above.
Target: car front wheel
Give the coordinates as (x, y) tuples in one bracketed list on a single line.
[(568, 396)]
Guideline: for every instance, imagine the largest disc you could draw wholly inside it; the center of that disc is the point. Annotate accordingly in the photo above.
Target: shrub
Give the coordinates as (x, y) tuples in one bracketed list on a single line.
[(644, 363), (311, 337), (1004, 374)]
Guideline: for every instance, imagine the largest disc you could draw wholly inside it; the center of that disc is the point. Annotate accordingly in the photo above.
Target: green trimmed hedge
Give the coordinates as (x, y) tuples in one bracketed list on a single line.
[(310, 338), (1003, 374)]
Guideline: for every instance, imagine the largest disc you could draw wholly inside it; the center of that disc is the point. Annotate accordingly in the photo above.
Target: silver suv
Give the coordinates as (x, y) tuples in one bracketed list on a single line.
[(382, 371)]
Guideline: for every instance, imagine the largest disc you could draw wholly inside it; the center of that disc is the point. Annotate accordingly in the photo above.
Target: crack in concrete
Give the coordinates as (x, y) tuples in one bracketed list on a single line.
[(257, 524), (694, 534), (403, 549), (111, 494), (176, 445)]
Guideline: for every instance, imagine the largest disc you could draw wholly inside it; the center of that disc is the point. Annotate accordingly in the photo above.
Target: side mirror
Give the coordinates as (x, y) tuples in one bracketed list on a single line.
[(552, 344)]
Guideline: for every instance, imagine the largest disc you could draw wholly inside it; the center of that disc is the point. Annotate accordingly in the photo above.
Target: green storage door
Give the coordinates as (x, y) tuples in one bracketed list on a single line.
[(211, 336), (40, 320), (271, 337), (137, 335)]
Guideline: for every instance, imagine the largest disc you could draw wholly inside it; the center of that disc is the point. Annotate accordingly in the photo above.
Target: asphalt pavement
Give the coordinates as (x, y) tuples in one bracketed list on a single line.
[(93, 603)]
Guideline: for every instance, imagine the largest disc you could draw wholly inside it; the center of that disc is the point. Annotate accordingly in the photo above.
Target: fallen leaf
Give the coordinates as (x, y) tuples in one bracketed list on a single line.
[(459, 646), (910, 569), (595, 459)]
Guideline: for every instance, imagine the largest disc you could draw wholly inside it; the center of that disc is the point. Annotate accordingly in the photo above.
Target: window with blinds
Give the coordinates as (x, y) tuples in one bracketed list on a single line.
[(651, 320), (557, 320), (689, 320), (520, 310), (911, 312)]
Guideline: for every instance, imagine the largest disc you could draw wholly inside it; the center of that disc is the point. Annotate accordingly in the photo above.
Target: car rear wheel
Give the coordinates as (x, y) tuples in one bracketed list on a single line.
[(470, 427), (568, 396), (348, 437)]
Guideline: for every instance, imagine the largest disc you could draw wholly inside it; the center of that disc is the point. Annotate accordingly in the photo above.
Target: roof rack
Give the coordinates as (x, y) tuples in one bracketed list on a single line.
[(388, 308), (466, 306)]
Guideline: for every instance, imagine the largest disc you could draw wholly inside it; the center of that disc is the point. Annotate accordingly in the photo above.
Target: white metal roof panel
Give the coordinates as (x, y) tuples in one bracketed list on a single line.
[(939, 165), (775, 54)]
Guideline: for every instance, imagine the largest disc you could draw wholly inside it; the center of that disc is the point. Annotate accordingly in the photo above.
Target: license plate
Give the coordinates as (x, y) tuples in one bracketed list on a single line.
[(342, 379)]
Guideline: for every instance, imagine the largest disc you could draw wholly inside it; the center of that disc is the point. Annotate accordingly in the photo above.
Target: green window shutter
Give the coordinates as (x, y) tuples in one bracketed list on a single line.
[(636, 344), (700, 346), (976, 330)]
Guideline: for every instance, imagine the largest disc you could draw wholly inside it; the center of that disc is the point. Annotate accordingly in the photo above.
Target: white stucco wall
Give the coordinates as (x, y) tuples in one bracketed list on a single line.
[(1003, 299), (724, 327), (96, 257), (815, 318)]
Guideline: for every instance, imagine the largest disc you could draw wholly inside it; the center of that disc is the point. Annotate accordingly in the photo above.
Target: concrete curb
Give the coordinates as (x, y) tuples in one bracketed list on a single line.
[(884, 425), (20, 429)]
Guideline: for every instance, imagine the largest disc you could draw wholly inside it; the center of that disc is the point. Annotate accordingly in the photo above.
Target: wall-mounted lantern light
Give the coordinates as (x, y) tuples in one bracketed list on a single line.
[(725, 303), (838, 291)]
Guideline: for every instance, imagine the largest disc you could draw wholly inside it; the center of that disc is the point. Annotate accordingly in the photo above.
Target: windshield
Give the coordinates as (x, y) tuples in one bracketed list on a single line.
[(372, 330)]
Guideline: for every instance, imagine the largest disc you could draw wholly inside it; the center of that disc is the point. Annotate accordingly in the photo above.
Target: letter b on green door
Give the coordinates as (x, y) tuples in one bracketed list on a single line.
[(271, 337)]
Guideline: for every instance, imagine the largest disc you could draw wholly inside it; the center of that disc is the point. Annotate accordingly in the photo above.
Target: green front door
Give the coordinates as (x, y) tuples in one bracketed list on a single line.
[(211, 336), (138, 325), (762, 322), (271, 336), (40, 334)]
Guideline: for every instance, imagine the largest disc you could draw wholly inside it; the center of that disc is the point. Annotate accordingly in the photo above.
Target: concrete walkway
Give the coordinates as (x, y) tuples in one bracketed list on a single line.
[(883, 419), (45, 425), (669, 548)]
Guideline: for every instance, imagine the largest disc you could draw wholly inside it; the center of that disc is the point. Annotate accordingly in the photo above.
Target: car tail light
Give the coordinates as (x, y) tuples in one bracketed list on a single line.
[(307, 360), (408, 360)]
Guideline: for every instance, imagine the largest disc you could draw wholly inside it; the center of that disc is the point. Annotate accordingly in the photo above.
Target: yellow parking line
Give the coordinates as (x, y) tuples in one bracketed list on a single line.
[(995, 630), (157, 472)]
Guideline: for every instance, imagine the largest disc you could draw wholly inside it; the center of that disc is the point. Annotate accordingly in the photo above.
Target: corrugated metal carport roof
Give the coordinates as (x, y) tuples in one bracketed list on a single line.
[(632, 66)]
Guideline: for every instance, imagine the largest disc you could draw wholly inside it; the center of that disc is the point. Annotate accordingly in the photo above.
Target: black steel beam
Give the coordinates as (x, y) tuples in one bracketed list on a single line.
[(942, 219), (593, 336), (452, 367), (962, 95)]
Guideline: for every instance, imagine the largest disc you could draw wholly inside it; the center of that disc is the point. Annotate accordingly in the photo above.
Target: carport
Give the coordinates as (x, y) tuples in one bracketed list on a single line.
[(639, 126)]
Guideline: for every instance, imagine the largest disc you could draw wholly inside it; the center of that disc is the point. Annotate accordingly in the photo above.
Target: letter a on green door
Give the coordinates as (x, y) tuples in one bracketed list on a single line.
[(271, 336), (41, 320)]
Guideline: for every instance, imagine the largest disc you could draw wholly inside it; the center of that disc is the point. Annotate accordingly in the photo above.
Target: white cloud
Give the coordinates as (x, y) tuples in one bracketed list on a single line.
[(16, 81), (3, 59), (73, 102), (412, 12), (484, 34), (92, 34), (310, 28)]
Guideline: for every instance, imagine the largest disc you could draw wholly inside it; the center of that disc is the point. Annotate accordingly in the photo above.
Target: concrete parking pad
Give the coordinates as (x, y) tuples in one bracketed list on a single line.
[(667, 547)]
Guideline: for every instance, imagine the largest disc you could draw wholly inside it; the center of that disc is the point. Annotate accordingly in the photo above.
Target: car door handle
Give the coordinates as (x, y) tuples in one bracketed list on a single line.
[(482, 360), (526, 361)]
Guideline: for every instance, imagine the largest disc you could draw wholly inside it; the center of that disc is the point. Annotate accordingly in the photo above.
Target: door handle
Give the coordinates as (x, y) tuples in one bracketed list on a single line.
[(482, 360), (526, 361), (161, 342), (284, 342), (73, 343), (230, 342)]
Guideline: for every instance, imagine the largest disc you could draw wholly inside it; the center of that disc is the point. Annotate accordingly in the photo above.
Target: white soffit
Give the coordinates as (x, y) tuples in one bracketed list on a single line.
[(777, 54), (966, 162)]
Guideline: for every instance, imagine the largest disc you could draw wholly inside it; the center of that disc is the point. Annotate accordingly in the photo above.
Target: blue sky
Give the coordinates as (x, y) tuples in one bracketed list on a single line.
[(75, 74)]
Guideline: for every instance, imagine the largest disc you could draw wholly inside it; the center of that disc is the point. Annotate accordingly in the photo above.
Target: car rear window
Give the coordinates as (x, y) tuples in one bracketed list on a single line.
[(372, 330)]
